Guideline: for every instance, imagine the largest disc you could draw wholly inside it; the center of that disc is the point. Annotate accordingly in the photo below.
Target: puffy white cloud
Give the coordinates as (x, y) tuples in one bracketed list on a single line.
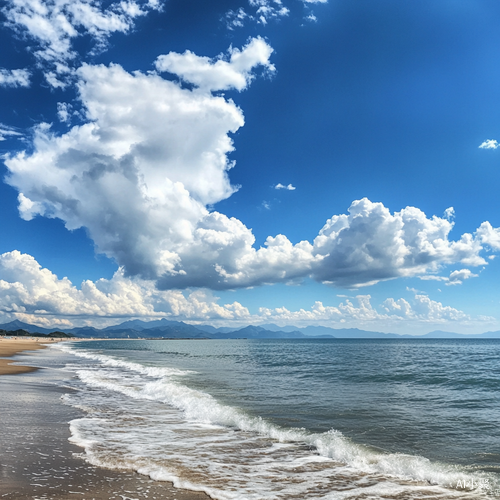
[(371, 244), (140, 173), (219, 74), (359, 311), (489, 144), (423, 309), (14, 78), (53, 25), (289, 187), (489, 236), (36, 295)]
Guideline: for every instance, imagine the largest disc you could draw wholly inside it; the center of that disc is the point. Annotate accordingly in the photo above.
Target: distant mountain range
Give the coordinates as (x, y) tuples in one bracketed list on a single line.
[(164, 328)]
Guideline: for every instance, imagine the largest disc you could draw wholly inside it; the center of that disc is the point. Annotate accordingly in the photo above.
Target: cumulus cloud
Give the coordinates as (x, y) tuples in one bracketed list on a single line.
[(31, 293), (424, 309), (282, 186), (358, 310), (233, 72), (52, 26), (489, 144), (14, 78), (489, 236), (371, 244), (152, 156)]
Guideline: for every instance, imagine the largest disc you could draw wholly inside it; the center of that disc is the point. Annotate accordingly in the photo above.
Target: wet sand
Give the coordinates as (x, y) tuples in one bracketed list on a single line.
[(10, 347), (38, 462)]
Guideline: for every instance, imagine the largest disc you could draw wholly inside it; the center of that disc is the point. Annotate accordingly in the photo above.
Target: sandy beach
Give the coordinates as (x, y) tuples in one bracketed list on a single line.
[(10, 347), (36, 459)]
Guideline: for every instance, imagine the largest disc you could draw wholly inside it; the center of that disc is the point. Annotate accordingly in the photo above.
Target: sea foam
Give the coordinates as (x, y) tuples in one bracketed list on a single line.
[(209, 446)]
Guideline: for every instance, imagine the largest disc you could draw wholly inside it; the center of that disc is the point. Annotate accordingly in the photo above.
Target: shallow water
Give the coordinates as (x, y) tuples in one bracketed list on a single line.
[(247, 419)]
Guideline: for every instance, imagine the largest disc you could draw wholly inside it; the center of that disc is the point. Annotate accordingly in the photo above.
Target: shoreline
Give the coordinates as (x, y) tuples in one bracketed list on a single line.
[(36, 458), (9, 347)]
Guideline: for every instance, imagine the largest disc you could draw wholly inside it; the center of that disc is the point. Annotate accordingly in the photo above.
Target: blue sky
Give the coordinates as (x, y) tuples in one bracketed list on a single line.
[(255, 161)]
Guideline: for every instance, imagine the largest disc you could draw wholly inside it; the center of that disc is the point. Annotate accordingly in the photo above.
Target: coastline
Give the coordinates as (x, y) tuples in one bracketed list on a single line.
[(37, 460), (11, 346)]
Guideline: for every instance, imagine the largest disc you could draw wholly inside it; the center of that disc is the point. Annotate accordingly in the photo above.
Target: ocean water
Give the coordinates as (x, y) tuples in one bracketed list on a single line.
[(294, 419)]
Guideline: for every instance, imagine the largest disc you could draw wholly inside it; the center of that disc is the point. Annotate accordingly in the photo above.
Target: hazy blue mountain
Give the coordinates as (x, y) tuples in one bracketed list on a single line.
[(19, 325), (439, 334), (212, 329), (340, 333), (258, 332), (138, 325), (164, 328)]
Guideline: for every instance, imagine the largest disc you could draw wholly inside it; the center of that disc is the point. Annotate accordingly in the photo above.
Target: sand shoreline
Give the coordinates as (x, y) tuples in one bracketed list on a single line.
[(37, 460), (11, 346)]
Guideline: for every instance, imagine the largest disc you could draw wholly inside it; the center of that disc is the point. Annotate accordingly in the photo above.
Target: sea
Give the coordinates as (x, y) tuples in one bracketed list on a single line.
[(293, 419)]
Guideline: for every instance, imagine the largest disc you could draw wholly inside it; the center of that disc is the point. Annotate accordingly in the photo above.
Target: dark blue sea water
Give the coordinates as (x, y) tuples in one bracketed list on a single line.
[(255, 419)]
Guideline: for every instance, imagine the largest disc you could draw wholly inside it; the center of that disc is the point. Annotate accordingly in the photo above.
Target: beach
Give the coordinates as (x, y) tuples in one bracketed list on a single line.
[(36, 459), (10, 347), (252, 420)]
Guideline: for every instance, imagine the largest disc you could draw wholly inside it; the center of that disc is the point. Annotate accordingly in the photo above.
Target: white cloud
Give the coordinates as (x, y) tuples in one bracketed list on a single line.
[(282, 186), (424, 309), (219, 74), (359, 311), (489, 144), (236, 18), (458, 277), (14, 78), (489, 236), (152, 156), (371, 244), (34, 294), (455, 278), (449, 213), (6, 131), (31, 293), (263, 11), (64, 112), (268, 9), (53, 25)]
